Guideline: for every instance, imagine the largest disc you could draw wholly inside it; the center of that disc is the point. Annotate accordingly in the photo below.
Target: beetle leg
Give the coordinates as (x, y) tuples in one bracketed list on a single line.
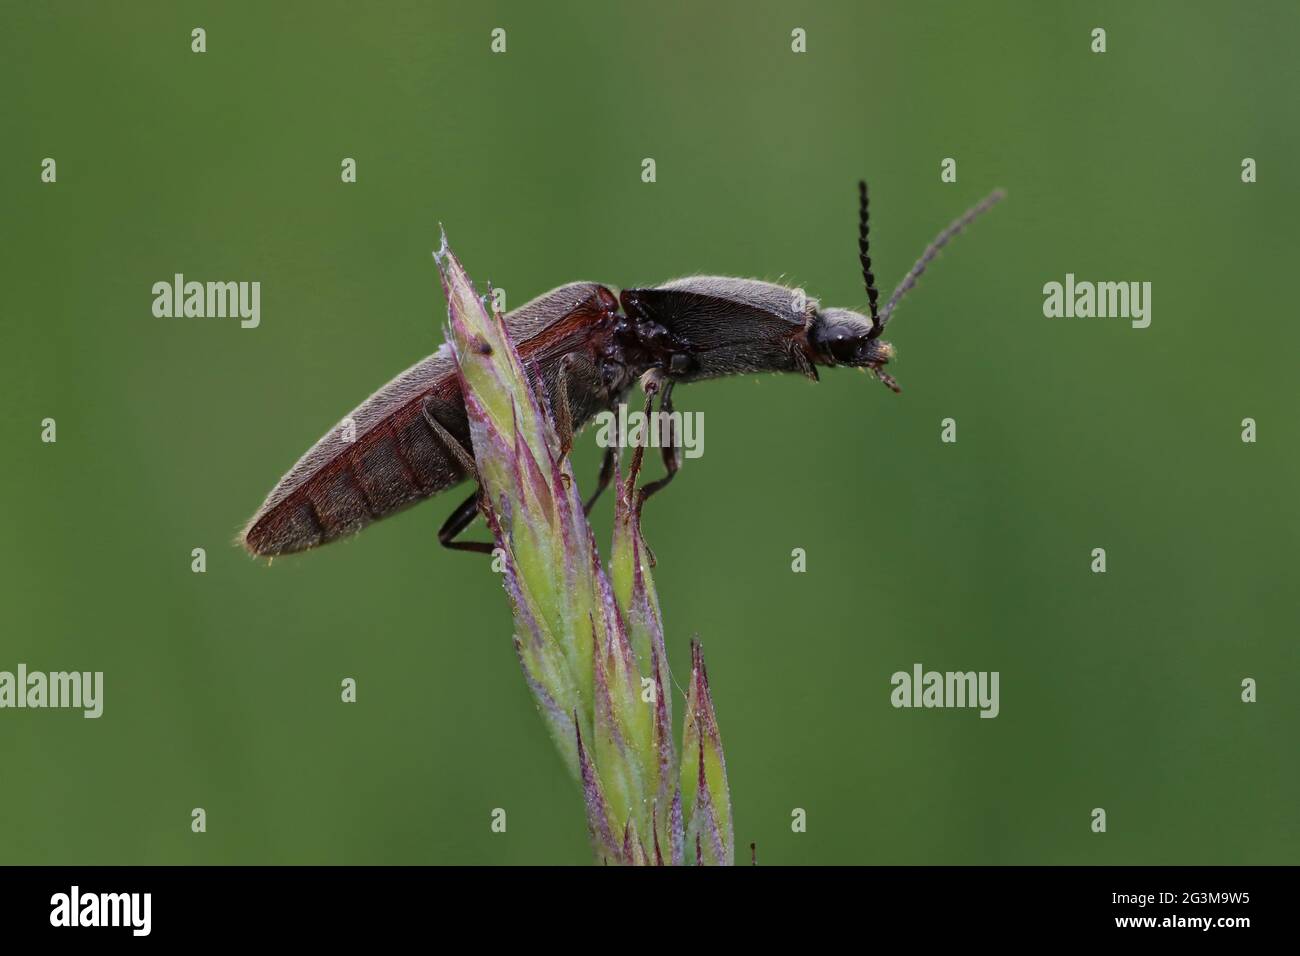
[(672, 460), (464, 515), (603, 480), (560, 409), (563, 414), (463, 456), (802, 364), (458, 521), (651, 382)]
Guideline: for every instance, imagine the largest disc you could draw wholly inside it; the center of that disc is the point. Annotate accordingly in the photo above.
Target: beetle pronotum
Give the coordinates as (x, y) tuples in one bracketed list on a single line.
[(589, 346)]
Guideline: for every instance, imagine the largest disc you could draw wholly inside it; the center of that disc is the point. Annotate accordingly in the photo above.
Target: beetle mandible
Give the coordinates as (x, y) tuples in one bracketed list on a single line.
[(410, 440)]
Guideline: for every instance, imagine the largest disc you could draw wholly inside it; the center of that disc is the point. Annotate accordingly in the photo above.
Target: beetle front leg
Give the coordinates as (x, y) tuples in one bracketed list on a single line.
[(672, 459), (651, 382), (630, 492)]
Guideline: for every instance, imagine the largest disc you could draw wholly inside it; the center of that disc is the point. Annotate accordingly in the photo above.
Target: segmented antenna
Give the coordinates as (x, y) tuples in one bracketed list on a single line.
[(932, 250), (863, 243)]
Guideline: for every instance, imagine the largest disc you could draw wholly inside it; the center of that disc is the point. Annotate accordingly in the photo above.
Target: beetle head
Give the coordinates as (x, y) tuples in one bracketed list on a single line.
[(844, 337), (841, 337)]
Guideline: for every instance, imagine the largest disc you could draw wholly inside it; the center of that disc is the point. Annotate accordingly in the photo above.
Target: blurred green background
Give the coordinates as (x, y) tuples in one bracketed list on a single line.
[(222, 689)]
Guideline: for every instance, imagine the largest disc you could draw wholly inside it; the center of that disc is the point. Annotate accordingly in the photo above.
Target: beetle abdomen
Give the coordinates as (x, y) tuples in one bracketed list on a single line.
[(385, 455), (378, 460)]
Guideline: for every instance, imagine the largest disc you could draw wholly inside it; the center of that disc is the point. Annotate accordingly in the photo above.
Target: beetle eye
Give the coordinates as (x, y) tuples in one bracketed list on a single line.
[(841, 337), (846, 348)]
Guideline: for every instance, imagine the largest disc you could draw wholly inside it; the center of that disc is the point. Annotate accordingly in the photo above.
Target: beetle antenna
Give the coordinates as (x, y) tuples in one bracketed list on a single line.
[(932, 250), (863, 244)]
